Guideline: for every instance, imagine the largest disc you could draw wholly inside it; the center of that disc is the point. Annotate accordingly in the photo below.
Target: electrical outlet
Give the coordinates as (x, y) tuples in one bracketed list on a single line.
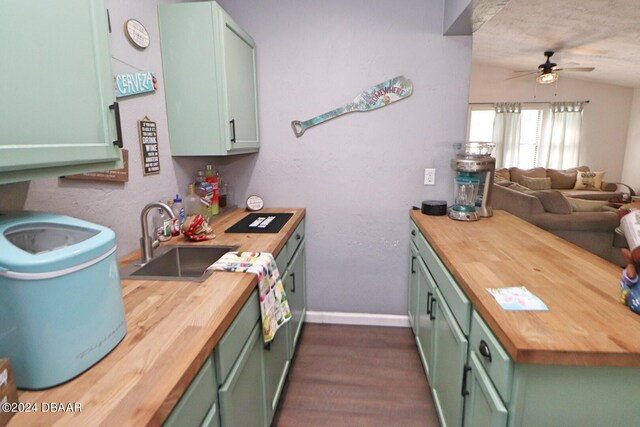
[(429, 176)]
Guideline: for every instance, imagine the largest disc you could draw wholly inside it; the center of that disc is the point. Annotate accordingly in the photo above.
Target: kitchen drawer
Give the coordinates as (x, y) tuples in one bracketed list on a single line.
[(198, 405), (284, 257), (414, 232), (492, 356), (231, 343), (456, 299), (295, 239)]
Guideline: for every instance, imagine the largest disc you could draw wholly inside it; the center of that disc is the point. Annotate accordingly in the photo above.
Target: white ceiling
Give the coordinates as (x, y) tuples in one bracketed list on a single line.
[(604, 34)]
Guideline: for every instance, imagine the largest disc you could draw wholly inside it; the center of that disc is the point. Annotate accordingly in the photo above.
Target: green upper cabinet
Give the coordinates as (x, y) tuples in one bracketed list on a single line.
[(56, 96), (209, 80)]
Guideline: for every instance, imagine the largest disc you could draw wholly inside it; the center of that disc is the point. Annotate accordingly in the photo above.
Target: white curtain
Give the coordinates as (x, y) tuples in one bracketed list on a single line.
[(506, 134), (560, 141)]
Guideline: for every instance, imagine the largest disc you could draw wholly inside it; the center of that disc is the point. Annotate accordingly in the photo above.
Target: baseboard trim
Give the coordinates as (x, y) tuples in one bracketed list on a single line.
[(362, 319)]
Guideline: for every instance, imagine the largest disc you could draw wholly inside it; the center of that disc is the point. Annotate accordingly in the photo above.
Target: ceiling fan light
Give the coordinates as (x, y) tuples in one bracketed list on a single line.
[(547, 78)]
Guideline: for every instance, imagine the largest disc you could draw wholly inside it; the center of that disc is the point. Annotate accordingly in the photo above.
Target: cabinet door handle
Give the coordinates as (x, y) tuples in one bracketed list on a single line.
[(413, 271), (464, 391), (233, 130), (298, 236), (484, 350), (432, 312), (413, 232), (116, 109), (429, 296), (293, 287), (267, 346)]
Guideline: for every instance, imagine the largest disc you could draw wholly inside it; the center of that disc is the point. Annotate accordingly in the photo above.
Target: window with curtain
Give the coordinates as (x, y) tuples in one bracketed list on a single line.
[(529, 135)]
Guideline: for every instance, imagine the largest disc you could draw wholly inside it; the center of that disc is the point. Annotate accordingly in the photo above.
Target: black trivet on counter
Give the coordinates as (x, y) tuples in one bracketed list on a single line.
[(260, 223)]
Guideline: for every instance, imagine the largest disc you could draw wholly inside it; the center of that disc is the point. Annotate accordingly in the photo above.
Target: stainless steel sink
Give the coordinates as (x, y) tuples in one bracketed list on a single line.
[(177, 263)]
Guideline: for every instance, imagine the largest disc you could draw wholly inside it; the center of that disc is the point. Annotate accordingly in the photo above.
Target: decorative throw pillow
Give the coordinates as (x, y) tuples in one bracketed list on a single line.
[(562, 180), (517, 173), (589, 181), (536, 183), (554, 201), (502, 175), (584, 205)]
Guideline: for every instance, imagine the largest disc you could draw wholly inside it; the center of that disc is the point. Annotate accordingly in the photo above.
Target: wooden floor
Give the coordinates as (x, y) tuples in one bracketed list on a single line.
[(356, 376)]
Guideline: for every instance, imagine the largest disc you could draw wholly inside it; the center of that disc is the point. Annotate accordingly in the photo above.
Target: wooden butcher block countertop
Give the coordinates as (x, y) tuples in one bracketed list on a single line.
[(586, 324), (171, 328)]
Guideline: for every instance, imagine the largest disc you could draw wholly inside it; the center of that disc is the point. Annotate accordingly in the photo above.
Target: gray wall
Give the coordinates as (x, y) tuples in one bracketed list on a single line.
[(357, 175)]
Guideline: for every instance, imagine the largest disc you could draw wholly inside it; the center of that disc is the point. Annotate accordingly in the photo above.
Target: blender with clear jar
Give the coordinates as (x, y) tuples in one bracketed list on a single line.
[(475, 169)]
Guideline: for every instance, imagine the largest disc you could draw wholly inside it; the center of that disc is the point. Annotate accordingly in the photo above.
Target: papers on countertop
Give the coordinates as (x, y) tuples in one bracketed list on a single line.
[(517, 298)]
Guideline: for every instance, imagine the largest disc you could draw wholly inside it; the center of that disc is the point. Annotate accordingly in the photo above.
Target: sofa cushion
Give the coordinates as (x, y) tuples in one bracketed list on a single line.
[(502, 175), (562, 180), (536, 183), (517, 173), (554, 201), (584, 205), (578, 169), (588, 181), (521, 188)]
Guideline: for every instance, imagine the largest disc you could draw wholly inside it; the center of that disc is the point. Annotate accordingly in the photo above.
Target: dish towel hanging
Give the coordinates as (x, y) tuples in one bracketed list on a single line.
[(274, 307)]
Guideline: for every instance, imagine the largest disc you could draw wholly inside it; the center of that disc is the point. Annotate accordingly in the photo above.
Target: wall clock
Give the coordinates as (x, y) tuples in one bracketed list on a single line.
[(136, 33)]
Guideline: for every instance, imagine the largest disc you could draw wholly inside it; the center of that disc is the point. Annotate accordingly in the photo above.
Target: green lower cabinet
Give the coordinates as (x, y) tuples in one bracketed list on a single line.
[(276, 367), (198, 406), (242, 396), (296, 290), (483, 406), (450, 356), (414, 286), (425, 317)]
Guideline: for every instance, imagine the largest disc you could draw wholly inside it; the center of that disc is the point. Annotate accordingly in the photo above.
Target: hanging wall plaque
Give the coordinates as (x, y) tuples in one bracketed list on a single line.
[(136, 33), (377, 96), (149, 146), (128, 84)]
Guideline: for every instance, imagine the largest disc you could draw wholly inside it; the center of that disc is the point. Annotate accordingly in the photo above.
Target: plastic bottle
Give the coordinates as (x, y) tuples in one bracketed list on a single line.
[(178, 209), (199, 177), (211, 178), (164, 223), (222, 190), (192, 202)]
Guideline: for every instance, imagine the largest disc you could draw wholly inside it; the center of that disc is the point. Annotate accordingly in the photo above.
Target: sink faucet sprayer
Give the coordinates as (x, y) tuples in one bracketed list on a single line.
[(147, 244)]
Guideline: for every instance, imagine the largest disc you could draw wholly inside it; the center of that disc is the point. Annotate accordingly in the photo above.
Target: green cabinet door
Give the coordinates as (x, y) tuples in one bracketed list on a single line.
[(414, 288), (239, 55), (425, 317), (57, 89), (209, 81), (296, 290), (242, 396), (276, 367), (483, 406), (450, 355), (198, 406)]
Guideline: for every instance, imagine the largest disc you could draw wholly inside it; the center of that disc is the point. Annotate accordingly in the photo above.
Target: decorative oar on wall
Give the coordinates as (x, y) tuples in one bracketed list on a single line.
[(375, 97)]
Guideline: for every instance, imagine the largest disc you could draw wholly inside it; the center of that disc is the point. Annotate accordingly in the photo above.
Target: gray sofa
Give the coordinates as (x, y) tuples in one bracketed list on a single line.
[(593, 231)]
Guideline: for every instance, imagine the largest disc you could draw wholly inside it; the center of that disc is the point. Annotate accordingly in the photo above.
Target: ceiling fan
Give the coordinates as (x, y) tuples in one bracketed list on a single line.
[(548, 72)]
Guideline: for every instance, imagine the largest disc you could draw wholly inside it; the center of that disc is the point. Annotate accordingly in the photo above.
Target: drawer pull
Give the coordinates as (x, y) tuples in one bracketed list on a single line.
[(413, 232), (267, 346), (429, 296), (484, 350), (413, 271), (293, 286), (298, 236)]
